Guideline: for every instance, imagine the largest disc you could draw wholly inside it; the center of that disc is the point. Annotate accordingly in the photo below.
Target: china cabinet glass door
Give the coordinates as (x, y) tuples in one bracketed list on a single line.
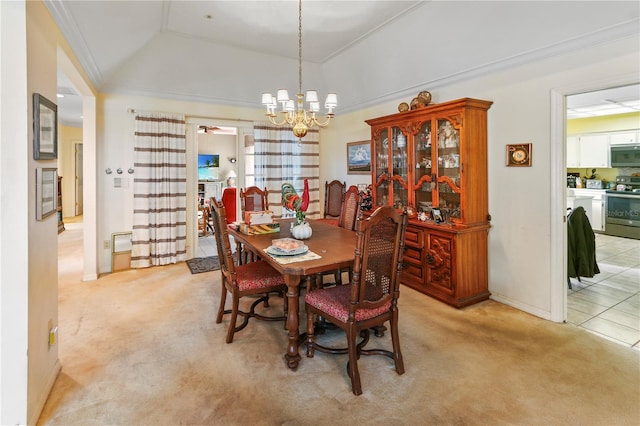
[(400, 191), (424, 175), (381, 182), (448, 199)]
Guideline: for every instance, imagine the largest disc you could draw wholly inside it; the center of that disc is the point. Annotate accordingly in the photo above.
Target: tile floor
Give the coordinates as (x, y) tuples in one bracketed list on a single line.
[(608, 304), (207, 246)]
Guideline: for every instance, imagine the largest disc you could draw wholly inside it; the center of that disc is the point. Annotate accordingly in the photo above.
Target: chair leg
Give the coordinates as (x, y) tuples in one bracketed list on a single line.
[(223, 300), (395, 339), (234, 316), (239, 252), (352, 366), (310, 334)]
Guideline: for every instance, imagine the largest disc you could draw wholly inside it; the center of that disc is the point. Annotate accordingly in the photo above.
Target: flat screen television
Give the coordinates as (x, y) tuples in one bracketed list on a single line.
[(208, 166)]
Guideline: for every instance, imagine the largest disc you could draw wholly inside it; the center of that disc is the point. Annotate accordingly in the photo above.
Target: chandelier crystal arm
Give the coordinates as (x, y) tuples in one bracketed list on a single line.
[(294, 113)]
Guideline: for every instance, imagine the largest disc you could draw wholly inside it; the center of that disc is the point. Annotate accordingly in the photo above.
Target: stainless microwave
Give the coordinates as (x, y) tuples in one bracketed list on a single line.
[(627, 155)]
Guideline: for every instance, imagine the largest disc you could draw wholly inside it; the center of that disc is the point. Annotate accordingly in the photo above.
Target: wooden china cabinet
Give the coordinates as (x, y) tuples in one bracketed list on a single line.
[(430, 160)]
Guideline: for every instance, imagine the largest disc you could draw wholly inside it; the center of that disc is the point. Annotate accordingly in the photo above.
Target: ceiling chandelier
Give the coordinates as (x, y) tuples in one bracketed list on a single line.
[(300, 119)]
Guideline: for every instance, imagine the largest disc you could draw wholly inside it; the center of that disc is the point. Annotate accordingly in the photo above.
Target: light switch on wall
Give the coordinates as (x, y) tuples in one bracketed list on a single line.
[(120, 182)]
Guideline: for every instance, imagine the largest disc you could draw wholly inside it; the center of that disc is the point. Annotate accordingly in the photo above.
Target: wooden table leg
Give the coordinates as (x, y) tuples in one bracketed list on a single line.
[(292, 357), (239, 251)]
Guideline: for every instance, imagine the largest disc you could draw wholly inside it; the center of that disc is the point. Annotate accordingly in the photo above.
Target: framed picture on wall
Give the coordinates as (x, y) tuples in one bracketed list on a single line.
[(359, 158), (46, 192), (45, 128)]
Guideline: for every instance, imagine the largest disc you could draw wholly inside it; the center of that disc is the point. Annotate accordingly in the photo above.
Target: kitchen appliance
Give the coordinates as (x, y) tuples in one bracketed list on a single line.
[(623, 208), (595, 184), (627, 155)]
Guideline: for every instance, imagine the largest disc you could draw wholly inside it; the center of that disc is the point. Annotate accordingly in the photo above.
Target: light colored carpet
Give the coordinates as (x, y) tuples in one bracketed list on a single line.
[(142, 348)]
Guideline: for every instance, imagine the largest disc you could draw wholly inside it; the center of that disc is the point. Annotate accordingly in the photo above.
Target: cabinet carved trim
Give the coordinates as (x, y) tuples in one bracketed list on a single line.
[(439, 262)]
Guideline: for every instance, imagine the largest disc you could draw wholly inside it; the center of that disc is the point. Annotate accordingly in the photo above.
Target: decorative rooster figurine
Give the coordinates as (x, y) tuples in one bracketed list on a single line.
[(292, 201), (305, 197)]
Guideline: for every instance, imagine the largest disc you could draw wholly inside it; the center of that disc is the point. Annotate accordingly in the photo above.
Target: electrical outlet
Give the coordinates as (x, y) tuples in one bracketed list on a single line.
[(107, 245)]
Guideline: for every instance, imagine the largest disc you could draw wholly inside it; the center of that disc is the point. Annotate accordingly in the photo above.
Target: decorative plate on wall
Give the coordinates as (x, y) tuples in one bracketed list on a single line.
[(519, 155)]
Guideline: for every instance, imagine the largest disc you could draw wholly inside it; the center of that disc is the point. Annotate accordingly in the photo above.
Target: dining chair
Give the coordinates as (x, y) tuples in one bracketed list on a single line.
[(349, 212), (255, 278), (203, 219), (370, 300), (252, 199), (333, 197)]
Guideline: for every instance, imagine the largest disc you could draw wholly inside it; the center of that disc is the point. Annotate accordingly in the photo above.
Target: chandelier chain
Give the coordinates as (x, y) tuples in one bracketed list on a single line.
[(300, 46)]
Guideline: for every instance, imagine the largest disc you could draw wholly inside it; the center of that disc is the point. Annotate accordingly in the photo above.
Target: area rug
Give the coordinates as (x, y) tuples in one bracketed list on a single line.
[(203, 264)]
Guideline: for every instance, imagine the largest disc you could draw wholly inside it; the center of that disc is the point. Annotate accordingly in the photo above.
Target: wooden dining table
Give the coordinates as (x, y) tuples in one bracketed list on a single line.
[(334, 245)]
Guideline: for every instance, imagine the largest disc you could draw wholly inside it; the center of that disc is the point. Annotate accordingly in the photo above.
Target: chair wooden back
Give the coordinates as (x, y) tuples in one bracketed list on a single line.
[(203, 218), (333, 196), (379, 251), (225, 256), (350, 208), (254, 199)]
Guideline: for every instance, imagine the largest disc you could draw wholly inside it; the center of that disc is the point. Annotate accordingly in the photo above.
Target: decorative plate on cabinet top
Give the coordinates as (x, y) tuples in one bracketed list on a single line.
[(403, 107), (425, 97)]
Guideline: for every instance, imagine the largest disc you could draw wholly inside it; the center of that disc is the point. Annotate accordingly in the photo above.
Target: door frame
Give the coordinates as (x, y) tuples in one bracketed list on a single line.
[(558, 190), (78, 177)]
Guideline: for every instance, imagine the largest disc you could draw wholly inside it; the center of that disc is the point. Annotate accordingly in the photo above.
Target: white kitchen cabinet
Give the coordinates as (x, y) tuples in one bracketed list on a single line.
[(588, 150), (597, 208), (620, 138), (572, 152), (593, 150)]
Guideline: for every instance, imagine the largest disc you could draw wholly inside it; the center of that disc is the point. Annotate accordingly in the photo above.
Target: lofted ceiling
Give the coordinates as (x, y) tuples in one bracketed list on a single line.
[(368, 51)]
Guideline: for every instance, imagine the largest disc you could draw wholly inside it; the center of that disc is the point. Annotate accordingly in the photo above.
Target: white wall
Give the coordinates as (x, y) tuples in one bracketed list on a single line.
[(43, 235), (521, 267), (15, 220)]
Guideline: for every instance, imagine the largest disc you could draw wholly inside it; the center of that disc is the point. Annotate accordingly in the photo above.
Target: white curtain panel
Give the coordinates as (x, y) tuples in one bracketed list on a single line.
[(159, 190), (280, 157)]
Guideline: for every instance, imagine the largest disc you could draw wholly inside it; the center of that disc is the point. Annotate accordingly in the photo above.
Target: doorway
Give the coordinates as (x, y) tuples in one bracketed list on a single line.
[(212, 136), (605, 304)]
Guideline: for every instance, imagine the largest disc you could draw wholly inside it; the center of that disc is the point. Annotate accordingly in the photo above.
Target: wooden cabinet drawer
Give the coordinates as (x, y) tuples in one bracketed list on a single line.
[(414, 237), (412, 254)]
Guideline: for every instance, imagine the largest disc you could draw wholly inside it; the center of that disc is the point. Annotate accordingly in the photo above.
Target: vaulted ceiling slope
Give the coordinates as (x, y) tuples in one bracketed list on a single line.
[(228, 52)]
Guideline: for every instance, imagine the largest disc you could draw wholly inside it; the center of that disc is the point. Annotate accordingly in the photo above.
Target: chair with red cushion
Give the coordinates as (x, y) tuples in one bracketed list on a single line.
[(370, 300), (256, 278)]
